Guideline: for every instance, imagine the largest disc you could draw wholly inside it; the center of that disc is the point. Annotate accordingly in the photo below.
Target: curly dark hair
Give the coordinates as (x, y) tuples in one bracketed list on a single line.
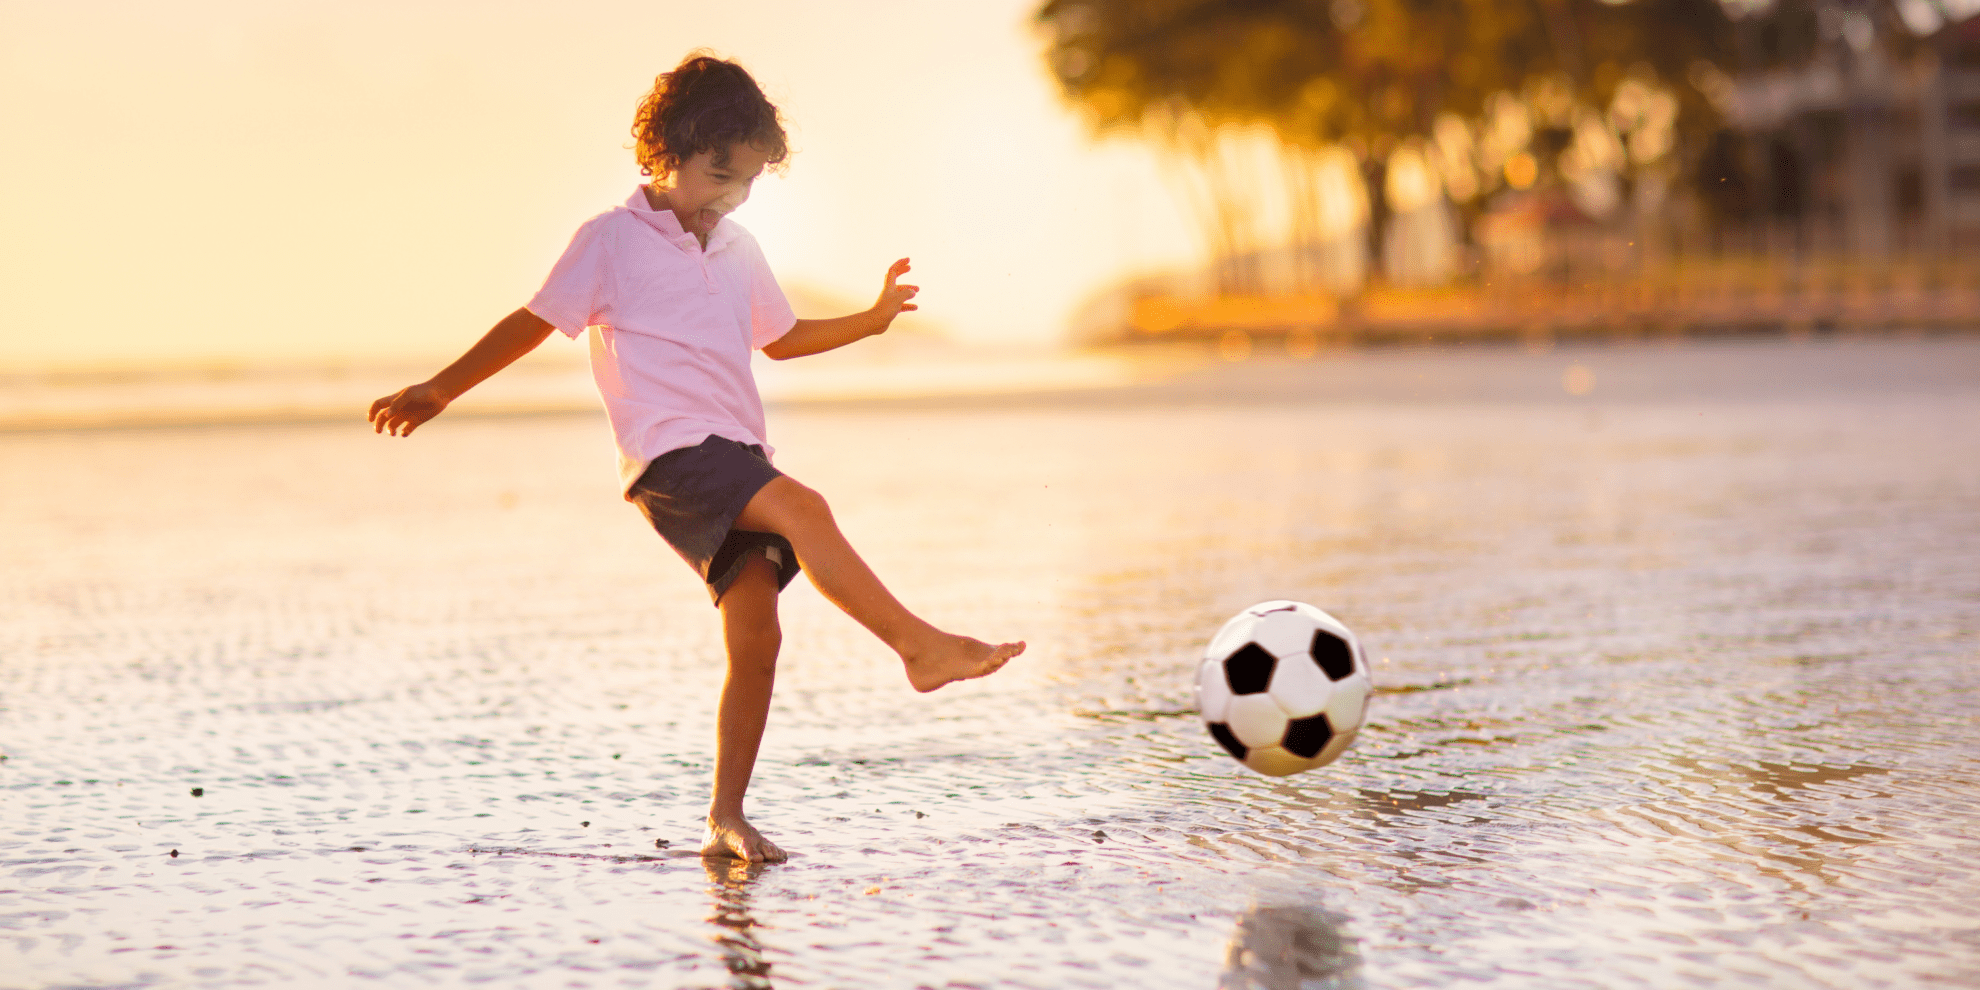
[(704, 104)]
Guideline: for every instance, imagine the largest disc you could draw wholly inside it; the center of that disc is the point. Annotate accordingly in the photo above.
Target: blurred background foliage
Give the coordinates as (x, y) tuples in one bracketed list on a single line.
[(1372, 72), (1459, 98), (1313, 140)]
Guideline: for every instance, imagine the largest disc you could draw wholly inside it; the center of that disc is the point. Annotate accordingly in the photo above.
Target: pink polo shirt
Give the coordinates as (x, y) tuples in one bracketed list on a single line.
[(672, 327)]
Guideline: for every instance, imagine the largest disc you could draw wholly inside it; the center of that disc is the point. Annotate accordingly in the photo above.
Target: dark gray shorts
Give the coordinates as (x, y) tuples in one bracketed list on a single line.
[(693, 495)]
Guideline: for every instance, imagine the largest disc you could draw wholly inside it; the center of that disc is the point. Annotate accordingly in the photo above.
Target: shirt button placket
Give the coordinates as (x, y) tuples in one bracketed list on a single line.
[(701, 256)]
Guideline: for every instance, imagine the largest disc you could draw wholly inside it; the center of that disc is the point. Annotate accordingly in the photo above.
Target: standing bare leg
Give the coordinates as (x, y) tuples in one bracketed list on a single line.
[(932, 657), (752, 637)]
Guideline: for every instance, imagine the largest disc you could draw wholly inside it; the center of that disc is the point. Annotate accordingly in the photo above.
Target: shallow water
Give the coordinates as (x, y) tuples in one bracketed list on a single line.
[(1678, 689)]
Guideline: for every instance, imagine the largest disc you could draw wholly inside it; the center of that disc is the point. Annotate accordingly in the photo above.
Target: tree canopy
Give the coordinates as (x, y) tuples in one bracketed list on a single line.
[(1370, 72)]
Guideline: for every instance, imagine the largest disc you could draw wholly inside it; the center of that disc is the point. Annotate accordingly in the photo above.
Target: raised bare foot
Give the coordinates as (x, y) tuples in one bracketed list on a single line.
[(737, 838), (956, 658)]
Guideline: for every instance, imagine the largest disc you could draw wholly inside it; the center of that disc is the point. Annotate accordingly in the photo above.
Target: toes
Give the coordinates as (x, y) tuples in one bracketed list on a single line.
[(998, 657)]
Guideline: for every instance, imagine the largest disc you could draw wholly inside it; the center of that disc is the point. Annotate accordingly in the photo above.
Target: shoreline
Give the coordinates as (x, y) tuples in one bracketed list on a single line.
[(1611, 370)]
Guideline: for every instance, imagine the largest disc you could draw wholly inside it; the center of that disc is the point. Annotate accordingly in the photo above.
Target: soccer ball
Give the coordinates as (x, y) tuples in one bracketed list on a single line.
[(1283, 687)]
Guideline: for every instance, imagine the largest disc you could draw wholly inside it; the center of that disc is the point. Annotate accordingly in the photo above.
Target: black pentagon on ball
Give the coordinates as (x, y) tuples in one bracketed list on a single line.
[(1222, 733), (1249, 670), (1333, 655), (1306, 737)]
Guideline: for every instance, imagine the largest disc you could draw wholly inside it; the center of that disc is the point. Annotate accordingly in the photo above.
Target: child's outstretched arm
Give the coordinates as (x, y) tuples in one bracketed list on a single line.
[(401, 412), (814, 336)]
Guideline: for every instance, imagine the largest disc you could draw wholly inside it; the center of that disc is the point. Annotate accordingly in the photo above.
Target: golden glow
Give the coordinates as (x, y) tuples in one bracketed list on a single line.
[(1411, 184), (1522, 171), (1234, 345), (1302, 344), (232, 182)]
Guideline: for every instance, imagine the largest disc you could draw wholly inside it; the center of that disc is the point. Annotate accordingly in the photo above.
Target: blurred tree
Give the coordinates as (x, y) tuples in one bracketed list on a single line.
[(1582, 86)]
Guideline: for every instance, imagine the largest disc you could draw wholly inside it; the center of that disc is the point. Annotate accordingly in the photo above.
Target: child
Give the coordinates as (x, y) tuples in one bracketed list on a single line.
[(675, 296)]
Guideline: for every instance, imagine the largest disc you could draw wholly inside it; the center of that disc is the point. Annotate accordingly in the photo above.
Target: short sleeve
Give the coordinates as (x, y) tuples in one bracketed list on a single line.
[(576, 293), (770, 315)]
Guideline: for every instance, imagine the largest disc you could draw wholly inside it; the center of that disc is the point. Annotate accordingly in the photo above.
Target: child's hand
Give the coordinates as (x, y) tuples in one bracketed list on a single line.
[(894, 298), (400, 413)]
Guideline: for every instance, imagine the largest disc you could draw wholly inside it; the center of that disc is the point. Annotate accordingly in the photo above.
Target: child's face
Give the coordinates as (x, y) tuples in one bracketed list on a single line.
[(702, 191)]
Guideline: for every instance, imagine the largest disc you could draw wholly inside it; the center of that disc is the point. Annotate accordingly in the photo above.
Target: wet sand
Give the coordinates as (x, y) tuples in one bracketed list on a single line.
[(1678, 689)]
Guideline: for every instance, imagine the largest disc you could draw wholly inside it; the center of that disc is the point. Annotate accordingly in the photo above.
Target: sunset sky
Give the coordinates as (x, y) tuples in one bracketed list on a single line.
[(365, 182)]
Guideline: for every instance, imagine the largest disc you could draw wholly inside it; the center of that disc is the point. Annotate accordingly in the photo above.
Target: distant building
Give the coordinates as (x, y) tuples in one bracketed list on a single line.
[(1857, 132)]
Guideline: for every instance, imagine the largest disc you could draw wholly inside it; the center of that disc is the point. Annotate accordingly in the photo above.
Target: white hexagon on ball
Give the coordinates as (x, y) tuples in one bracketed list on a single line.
[(1283, 632), (1234, 634), (1256, 720), (1299, 686), (1349, 703), (1275, 762), (1335, 748), (1325, 621), (1213, 691)]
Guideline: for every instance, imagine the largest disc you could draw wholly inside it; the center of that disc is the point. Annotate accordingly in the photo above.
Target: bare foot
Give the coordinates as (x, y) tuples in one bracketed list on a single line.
[(956, 658), (737, 838)]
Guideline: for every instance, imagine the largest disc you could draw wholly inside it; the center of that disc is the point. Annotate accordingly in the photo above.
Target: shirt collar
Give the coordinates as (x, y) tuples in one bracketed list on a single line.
[(669, 225)]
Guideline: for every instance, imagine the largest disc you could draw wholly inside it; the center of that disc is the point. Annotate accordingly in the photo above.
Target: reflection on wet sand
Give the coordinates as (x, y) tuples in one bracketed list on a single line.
[(1290, 947), (729, 881)]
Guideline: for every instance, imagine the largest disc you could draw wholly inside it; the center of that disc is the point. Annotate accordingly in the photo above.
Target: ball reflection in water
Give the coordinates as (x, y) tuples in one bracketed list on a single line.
[(1290, 947)]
